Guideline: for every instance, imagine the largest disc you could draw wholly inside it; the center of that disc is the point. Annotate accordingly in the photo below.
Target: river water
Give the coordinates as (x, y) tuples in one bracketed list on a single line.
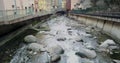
[(72, 37)]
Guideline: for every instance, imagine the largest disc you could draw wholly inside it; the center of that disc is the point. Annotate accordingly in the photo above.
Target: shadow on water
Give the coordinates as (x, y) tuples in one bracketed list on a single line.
[(8, 50)]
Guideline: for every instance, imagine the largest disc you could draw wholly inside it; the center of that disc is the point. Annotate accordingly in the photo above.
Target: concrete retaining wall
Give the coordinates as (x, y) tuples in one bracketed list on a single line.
[(111, 28)]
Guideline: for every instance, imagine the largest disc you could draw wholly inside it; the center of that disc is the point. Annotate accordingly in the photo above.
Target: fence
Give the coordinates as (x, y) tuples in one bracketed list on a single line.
[(98, 13), (7, 15)]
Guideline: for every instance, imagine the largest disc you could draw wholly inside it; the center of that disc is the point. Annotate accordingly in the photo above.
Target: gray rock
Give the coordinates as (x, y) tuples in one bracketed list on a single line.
[(56, 49), (55, 52), (61, 39), (108, 45), (116, 61), (86, 53), (55, 58), (81, 54), (35, 47), (30, 39)]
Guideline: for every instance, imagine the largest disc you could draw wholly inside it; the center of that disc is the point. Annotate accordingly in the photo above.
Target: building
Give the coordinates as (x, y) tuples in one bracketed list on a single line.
[(71, 4), (12, 4), (45, 5), (36, 5), (74, 3), (9, 7), (68, 4), (64, 4)]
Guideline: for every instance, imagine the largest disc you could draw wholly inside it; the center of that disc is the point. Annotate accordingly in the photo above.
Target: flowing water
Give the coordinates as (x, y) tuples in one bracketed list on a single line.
[(71, 36)]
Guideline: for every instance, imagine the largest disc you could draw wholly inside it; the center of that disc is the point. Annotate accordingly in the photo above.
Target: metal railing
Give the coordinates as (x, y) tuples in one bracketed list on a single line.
[(7, 15), (99, 13)]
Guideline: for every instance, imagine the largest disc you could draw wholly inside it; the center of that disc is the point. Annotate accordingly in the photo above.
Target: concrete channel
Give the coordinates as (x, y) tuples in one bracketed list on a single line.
[(59, 39), (110, 26)]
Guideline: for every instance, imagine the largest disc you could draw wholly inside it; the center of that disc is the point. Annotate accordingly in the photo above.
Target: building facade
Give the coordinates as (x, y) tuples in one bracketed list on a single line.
[(74, 3), (19, 4), (45, 5), (10, 7), (68, 4)]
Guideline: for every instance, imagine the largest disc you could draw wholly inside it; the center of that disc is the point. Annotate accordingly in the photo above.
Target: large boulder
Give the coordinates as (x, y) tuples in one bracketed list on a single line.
[(30, 39), (55, 58), (35, 47), (86, 53), (55, 51), (108, 45)]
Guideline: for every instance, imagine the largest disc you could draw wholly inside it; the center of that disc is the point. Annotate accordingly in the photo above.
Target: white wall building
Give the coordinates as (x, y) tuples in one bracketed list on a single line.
[(9, 7), (11, 4)]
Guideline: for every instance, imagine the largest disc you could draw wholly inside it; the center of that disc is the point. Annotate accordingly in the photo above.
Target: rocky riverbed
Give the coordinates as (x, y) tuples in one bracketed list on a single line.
[(65, 41)]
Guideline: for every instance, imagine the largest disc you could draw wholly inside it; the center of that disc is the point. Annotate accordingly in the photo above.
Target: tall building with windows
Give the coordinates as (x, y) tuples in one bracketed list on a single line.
[(61, 3), (68, 4), (11, 4), (64, 4), (9, 7), (44, 5)]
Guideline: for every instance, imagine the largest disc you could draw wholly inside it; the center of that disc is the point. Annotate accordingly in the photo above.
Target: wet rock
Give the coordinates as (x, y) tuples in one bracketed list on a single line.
[(69, 29), (88, 32), (89, 46), (80, 40), (43, 27), (81, 54), (56, 49), (55, 52), (88, 29), (30, 39), (63, 59), (55, 58), (40, 35), (70, 32), (86, 53), (108, 45), (116, 61), (35, 47), (61, 39)]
